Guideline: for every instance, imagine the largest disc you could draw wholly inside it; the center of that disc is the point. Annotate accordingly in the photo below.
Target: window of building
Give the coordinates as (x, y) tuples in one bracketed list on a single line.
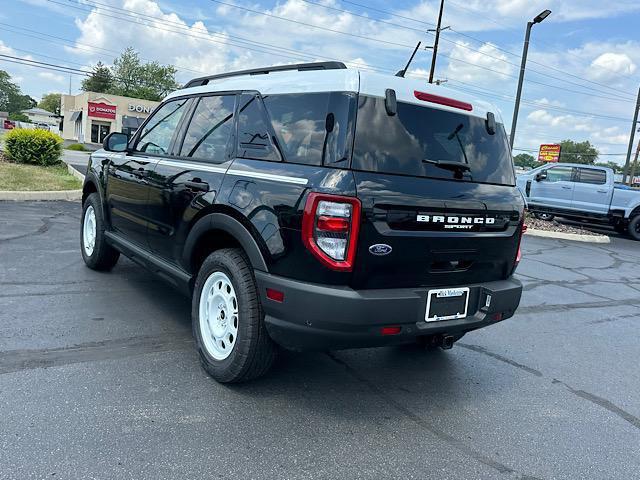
[(593, 176), (254, 138), (210, 128), (157, 134), (560, 174)]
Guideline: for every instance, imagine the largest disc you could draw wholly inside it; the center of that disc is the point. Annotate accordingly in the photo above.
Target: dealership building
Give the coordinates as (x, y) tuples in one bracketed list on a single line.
[(89, 117)]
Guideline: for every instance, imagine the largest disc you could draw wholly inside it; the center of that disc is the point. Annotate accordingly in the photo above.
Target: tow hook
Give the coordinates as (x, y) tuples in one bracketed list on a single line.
[(447, 342)]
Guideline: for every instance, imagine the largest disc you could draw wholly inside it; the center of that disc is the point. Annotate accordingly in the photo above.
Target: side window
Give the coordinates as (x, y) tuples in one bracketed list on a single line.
[(158, 132), (210, 128), (311, 126), (254, 138), (559, 174), (590, 175)]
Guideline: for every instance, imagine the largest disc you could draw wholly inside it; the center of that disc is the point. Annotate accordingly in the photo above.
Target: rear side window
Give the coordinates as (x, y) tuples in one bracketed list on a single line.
[(312, 127), (210, 128), (590, 175), (254, 136), (427, 142), (560, 174), (158, 132)]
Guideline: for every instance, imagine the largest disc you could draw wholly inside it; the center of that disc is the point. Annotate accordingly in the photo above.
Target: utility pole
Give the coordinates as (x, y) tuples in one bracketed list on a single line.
[(523, 65), (634, 166), (633, 136), (69, 84), (435, 46)]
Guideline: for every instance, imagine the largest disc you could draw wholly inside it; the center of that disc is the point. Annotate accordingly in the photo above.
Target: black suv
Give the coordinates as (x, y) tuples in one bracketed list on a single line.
[(313, 207)]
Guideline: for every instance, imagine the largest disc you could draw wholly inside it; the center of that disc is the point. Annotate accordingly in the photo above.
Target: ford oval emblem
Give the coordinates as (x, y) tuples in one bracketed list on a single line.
[(380, 249)]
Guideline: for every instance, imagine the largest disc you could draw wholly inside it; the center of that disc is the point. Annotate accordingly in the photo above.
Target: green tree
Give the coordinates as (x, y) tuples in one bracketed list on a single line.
[(51, 102), (525, 160), (578, 152), (133, 78), (100, 81), (11, 98), (19, 117)]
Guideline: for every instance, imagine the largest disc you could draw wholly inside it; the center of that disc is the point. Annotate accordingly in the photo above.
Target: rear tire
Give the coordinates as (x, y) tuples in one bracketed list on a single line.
[(96, 252), (634, 227), (547, 217), (228, 320)]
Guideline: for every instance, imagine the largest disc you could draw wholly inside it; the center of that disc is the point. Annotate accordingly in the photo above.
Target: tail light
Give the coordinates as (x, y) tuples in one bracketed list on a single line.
[(449, 102), (330, 226)]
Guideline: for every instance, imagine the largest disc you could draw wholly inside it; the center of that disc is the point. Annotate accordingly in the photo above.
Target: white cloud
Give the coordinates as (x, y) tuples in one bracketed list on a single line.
[(611, 65), (52, 77), (478, 65)]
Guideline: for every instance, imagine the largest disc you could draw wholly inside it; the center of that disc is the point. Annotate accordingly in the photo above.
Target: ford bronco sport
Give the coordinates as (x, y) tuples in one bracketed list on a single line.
[(313, 207)]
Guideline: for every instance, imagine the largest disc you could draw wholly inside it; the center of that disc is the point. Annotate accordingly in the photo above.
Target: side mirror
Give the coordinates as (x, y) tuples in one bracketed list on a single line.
[(116, 142), (541, 176), (390, 102)]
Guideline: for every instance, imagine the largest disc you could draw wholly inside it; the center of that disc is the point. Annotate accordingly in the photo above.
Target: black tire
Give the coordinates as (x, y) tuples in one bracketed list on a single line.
[(634, 227), (547, 217), (104, 256), (253, 352)]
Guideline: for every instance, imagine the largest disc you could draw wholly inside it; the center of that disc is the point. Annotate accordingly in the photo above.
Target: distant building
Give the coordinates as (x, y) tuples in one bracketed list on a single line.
[(41, 117), (89, 117)]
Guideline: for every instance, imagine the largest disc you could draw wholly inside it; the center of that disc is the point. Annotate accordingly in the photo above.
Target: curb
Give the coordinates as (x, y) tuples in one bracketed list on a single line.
[(67, 195), (75, 173), (576, 237), (64, 195)]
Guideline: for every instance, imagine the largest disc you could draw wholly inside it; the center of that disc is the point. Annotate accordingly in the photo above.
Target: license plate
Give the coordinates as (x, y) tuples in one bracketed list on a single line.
[(447, 304)]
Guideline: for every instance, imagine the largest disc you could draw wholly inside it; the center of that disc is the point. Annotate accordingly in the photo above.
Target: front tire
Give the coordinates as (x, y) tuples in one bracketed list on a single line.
[(96, 252), (634, 227), (228, 320)]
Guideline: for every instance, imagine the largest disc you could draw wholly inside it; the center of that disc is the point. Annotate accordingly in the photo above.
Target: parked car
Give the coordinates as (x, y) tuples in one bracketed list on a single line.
[(582, 192), (313, 207)]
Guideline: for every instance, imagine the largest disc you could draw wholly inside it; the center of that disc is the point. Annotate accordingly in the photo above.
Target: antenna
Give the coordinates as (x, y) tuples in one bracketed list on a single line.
[(402, 72)]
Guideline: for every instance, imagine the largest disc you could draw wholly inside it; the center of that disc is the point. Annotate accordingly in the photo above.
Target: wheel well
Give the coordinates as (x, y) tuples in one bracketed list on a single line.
[(636, 211), (209, 242), (87, 190)]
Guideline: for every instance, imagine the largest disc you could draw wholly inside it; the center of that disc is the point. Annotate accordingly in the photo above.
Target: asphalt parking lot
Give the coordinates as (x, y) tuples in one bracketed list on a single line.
[(99, 379)]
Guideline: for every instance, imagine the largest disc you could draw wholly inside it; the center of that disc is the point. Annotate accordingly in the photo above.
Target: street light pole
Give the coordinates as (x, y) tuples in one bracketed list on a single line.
[(525, 52), (633, 136)]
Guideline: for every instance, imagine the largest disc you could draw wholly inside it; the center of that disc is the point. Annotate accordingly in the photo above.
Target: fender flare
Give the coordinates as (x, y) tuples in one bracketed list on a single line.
[(228, 224)]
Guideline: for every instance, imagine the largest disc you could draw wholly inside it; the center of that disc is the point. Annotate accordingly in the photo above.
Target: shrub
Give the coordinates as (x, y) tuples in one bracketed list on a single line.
[(36, 147), (77, 147)]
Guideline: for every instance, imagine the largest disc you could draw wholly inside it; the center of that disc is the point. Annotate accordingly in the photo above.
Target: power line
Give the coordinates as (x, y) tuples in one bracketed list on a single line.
[(478, 51)]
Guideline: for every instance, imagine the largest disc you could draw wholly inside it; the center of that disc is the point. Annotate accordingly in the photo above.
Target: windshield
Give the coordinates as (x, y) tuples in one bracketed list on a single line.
[(428, 142)]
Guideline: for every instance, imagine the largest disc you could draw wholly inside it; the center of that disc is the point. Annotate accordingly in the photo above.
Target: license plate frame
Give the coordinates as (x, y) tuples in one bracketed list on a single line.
[(450, 293)]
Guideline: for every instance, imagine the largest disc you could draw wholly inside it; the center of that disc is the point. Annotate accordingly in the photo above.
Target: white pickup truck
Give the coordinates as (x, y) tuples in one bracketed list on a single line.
[(581, 192)]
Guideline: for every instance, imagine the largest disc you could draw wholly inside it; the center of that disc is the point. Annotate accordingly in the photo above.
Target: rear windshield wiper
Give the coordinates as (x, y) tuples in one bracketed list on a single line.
[(453, 166)]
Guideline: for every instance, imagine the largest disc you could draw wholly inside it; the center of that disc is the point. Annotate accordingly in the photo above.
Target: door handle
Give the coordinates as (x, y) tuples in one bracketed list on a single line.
[(197, 186), (603, 191), (566, 187)]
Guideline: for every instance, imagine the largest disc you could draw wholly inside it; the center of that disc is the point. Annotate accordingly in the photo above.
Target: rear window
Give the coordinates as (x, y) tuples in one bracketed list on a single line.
[(590, 175), (312, 128), (427, 142)]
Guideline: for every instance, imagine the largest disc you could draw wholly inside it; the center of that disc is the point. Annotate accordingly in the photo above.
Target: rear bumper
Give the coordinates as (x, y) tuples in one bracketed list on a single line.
[(320, 317)]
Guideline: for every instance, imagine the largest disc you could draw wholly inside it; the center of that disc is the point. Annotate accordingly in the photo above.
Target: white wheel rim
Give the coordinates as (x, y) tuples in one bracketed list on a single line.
[(89, 231), (218, 312)]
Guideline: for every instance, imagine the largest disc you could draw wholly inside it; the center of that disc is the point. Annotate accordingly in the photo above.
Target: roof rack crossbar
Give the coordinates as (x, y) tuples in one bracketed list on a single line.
[(196, 82)]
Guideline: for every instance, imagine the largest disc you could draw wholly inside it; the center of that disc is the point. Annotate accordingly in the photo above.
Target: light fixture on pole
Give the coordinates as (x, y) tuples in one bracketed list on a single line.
[(540, 18)]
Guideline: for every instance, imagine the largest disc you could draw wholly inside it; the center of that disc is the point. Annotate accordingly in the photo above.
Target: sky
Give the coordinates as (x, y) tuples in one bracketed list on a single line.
[(582, 74)]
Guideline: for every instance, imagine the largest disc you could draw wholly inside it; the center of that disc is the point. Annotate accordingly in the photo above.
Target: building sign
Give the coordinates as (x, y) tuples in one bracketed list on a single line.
[(102, 110), (139, 108), (549, 153)]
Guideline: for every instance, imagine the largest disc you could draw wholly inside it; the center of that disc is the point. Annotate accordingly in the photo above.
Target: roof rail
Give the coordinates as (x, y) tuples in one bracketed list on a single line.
[(196, 82)]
